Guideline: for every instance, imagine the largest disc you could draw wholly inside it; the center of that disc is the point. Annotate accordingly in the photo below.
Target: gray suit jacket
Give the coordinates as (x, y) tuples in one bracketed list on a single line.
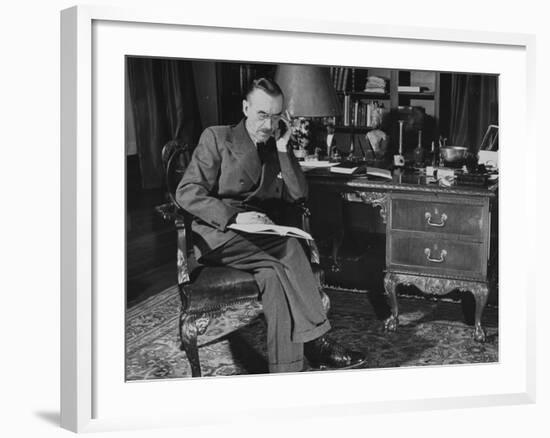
[(226, 177)]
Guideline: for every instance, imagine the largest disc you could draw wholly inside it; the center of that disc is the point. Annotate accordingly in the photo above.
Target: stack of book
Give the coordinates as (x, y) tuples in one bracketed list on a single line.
[(376, 84)]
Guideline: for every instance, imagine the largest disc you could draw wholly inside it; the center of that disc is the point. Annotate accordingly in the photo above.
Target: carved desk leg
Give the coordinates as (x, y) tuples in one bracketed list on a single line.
[(481, 293), (390, 285)]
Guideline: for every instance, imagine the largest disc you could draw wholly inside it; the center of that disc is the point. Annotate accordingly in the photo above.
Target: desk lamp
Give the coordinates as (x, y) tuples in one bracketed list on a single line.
[(308, 91)]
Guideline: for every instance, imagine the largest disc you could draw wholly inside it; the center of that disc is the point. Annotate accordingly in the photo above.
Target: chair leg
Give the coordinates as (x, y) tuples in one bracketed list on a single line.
[(188, 336)]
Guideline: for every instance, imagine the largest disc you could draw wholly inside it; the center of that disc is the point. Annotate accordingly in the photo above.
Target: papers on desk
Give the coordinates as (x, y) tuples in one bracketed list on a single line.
[(315, 164), (377, 171), (350, 169), (347, 168)]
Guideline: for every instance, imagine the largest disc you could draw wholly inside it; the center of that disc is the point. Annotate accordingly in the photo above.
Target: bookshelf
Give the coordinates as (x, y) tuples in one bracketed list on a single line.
[(395, 95)]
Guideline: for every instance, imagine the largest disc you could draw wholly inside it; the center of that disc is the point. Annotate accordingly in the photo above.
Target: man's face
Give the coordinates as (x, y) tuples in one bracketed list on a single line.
[(263, 113)]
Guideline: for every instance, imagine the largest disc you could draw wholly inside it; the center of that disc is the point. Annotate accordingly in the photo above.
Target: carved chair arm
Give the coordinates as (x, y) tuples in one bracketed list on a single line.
[(305, 213), (314, 256), (183, 255), (169, 211)]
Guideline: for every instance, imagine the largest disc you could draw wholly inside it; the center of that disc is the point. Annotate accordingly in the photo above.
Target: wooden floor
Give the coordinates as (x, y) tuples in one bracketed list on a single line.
[(150, 247)]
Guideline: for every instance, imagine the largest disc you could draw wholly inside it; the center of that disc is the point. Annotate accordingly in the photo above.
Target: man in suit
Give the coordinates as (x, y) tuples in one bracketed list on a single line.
[(243, 174)]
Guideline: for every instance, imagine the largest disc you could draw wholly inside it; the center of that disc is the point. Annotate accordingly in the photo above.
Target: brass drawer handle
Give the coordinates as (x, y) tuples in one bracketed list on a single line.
[(428, 217), (441, 258)]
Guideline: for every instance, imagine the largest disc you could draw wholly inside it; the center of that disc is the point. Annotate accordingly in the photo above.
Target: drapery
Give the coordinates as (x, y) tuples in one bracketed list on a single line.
[(162, 99), (474, 106)]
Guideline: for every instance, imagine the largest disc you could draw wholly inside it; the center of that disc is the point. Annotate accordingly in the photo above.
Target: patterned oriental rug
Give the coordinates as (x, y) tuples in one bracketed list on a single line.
[(431, 332)]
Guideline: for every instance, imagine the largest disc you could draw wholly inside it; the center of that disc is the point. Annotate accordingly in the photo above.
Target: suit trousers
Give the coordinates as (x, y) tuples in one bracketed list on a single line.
[(289, 292)]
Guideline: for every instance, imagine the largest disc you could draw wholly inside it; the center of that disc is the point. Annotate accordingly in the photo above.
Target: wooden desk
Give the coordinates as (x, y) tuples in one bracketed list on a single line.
[(437, 238)]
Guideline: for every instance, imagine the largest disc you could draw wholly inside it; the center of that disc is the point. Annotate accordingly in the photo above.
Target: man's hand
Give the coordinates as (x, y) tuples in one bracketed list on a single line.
[(282, 141), (252, 217)]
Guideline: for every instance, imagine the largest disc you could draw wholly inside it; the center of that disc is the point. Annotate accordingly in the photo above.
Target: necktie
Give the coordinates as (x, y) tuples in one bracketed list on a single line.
[(263, 151)]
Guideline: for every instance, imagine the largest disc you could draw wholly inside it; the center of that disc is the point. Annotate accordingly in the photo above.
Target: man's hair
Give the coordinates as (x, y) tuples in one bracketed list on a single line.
[(269, 86)]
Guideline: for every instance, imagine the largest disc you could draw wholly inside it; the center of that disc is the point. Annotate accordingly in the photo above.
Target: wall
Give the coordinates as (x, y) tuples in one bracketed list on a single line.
[(29, 178)]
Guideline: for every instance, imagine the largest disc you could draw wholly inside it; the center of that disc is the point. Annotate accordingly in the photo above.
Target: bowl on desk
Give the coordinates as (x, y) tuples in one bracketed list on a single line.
[(453, 156)]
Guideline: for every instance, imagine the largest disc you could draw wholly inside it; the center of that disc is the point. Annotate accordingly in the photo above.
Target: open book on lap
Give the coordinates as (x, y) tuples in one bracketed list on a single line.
[(279, 230)]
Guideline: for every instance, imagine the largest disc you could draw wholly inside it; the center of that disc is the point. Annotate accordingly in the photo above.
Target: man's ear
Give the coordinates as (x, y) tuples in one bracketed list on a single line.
[(245, 107)]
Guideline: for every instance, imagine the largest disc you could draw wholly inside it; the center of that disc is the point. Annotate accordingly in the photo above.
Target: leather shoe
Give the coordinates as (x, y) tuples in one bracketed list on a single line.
[(322, 353)]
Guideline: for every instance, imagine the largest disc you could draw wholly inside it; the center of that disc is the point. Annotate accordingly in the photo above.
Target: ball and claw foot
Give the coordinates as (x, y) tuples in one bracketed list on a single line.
[(391, 323), (479, 334)]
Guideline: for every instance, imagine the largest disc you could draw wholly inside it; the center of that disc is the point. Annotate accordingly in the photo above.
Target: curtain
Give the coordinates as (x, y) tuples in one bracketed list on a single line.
[(164, 106), (130, 126), (474, 106)]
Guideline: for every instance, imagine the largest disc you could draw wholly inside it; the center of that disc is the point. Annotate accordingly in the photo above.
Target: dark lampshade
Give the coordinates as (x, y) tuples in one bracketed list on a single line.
[(308, 91)]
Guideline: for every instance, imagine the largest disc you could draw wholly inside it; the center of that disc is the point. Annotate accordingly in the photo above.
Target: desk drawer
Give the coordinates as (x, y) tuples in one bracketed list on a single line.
[(428, 255), (438, 217)]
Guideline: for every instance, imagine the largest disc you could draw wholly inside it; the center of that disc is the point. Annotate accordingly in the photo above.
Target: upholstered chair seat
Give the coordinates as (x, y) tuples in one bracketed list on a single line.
[(214, 287)]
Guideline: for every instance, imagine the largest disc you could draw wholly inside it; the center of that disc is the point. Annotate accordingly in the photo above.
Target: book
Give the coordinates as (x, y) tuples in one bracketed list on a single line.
[(410, 88), (374, 90), (377, 171), (349, 169), (279, 230), (340, 78), (345, 80), (368, 115), (361, 169), (347, 110), (315, 164)]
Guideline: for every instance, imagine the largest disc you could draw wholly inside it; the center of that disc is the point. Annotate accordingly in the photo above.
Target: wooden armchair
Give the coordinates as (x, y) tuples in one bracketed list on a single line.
[(214, 300)]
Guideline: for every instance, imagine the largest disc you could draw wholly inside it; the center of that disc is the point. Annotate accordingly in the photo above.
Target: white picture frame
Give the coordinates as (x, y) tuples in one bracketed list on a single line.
[(92, 396)]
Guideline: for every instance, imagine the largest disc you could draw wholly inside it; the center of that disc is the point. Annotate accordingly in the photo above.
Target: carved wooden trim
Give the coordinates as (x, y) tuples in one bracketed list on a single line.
[(183, 265), (488, 192), (461, 278), (202, 324), (188, 327), (437, 285), (376, 199)]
